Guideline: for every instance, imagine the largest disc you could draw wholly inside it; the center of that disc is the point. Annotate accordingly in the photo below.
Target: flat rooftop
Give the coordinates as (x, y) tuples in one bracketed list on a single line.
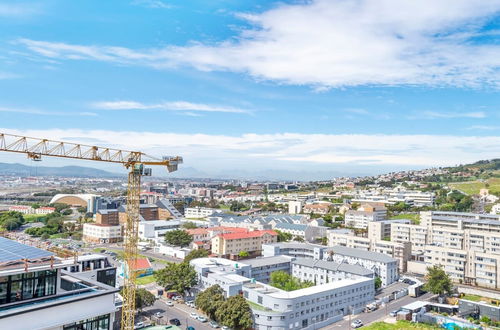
[(12, 251)]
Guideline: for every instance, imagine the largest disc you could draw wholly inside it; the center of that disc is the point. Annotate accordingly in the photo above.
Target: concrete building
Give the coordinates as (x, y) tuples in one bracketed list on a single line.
[(295, 207), (199, 212), (272, 308), (316, 208), (40, 294), (380, 230), (322, 272), (365, 214), (76, 200), (401, 251), (417, 236), (96, 233), (251, 242), (381, 264), (156, 230), (306, 232), (261, 268), (29, 210), (96, 267)]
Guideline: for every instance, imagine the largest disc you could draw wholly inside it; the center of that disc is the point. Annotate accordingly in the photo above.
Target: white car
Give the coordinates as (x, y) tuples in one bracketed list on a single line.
[(225, 328), (201, 318), (356, 324), (158, 315), (169, 303), (194, 315)]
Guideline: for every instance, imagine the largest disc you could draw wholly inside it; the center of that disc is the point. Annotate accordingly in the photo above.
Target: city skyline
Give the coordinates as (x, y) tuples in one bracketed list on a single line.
[(320, 86)]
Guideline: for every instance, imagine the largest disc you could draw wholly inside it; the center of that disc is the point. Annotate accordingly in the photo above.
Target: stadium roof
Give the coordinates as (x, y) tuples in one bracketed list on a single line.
[(13, 251)]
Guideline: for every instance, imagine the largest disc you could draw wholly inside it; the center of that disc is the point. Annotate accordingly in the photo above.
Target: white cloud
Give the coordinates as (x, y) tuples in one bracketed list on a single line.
[(483, 128), (326, 43), (299, 151), (169, 106), (156, 4), (17, 10), (451, 115), (44, 113)]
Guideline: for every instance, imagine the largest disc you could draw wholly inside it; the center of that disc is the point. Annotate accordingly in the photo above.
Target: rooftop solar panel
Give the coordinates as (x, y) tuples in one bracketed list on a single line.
[(11, 251)]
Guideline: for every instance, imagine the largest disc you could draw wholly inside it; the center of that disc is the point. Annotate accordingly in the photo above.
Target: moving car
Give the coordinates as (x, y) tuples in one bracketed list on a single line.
[(356, 324), (175, 322), (202, 318), (169, 303), (158, 315), (193, 315)]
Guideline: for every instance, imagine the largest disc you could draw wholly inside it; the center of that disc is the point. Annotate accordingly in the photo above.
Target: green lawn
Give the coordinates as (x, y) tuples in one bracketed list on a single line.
[(472, 297), (33, 217), (401, 325), (145, 280), (473, 187), (414, 217)]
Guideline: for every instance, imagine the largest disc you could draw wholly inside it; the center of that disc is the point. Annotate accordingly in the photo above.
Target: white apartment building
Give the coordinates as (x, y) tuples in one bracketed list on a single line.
[(495, 209), (275, 309), (379, 230), (199, 212), (295, 207), (365, 214), (381, 264), (417, 236), (39, 294), (156, 229), (397, 250), (96, 233), (261, 268), (395, 195), (322, 272)]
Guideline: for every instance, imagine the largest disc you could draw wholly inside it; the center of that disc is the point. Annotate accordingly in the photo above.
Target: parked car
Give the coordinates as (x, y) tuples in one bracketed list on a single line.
[(169, 303), (356, 324), (190, 328), (394, 313), (139, 325), (193, 315), (214, 324), (175, 322), (225, 328), (202, 318)]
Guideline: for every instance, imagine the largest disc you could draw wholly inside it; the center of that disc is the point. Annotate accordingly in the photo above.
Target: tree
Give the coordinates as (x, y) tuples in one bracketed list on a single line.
[(438, 281), (287, 282), (67, 212), (82, 209), (189, 225), (235, 313), (210, 300), (179, 206), (178, 277), (59, 206), (11, 220), (378, 283), (283, 237), (195, 254), (178, 237), (298, 239), (35, 206), (143, 298), (243, 254)]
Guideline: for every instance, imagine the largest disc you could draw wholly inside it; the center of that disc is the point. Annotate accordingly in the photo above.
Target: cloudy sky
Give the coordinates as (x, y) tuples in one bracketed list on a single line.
[(325, 86)]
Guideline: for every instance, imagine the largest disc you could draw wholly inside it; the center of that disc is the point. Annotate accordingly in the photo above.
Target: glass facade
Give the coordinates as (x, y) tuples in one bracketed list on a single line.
[(27, 286), (107, 276), (95, 323)]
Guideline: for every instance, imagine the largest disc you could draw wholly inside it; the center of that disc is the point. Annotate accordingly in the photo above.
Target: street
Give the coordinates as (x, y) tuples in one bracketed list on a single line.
[(379, 314), (178, 311)]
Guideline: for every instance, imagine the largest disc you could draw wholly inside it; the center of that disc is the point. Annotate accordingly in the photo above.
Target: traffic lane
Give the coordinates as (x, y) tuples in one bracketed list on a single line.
[(379, 314), (178, 311)]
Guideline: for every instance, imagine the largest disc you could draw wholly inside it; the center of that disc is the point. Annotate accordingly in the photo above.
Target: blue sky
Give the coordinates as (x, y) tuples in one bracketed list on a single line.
[(325, 87)]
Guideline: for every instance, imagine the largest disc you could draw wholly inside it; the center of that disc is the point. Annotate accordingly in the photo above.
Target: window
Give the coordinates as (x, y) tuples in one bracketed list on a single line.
[(95, 323), (27, 286)]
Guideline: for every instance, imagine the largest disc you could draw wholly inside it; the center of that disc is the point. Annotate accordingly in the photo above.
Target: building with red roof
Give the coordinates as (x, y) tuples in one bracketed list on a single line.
[(231, 244)]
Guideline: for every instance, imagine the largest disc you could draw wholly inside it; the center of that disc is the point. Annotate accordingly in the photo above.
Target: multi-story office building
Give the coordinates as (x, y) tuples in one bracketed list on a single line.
[(37, 293), (273, 309), (250, 241), (96, 233), (154, 230)]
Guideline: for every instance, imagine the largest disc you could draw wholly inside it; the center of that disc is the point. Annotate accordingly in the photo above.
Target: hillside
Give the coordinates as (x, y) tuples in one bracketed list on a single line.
[(65, 171), (470, 178)]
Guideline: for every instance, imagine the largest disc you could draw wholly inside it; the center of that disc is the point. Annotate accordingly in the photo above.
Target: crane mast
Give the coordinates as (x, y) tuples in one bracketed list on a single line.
[(35, 148)]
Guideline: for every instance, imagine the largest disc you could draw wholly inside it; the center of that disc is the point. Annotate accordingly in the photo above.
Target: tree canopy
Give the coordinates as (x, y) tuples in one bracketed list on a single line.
[(287, 282), (178, 237), (195, 254), (11, 220), (438, 281), (210, 300), (378, 283), (283, 237), (235, 313), (178, 277)]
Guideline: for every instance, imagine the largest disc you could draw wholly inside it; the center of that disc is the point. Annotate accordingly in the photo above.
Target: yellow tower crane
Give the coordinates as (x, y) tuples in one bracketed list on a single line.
[(134, 161)]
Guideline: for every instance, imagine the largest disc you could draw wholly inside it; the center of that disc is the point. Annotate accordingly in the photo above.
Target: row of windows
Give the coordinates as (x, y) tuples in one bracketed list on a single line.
[(27, 286), (95, 323)]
